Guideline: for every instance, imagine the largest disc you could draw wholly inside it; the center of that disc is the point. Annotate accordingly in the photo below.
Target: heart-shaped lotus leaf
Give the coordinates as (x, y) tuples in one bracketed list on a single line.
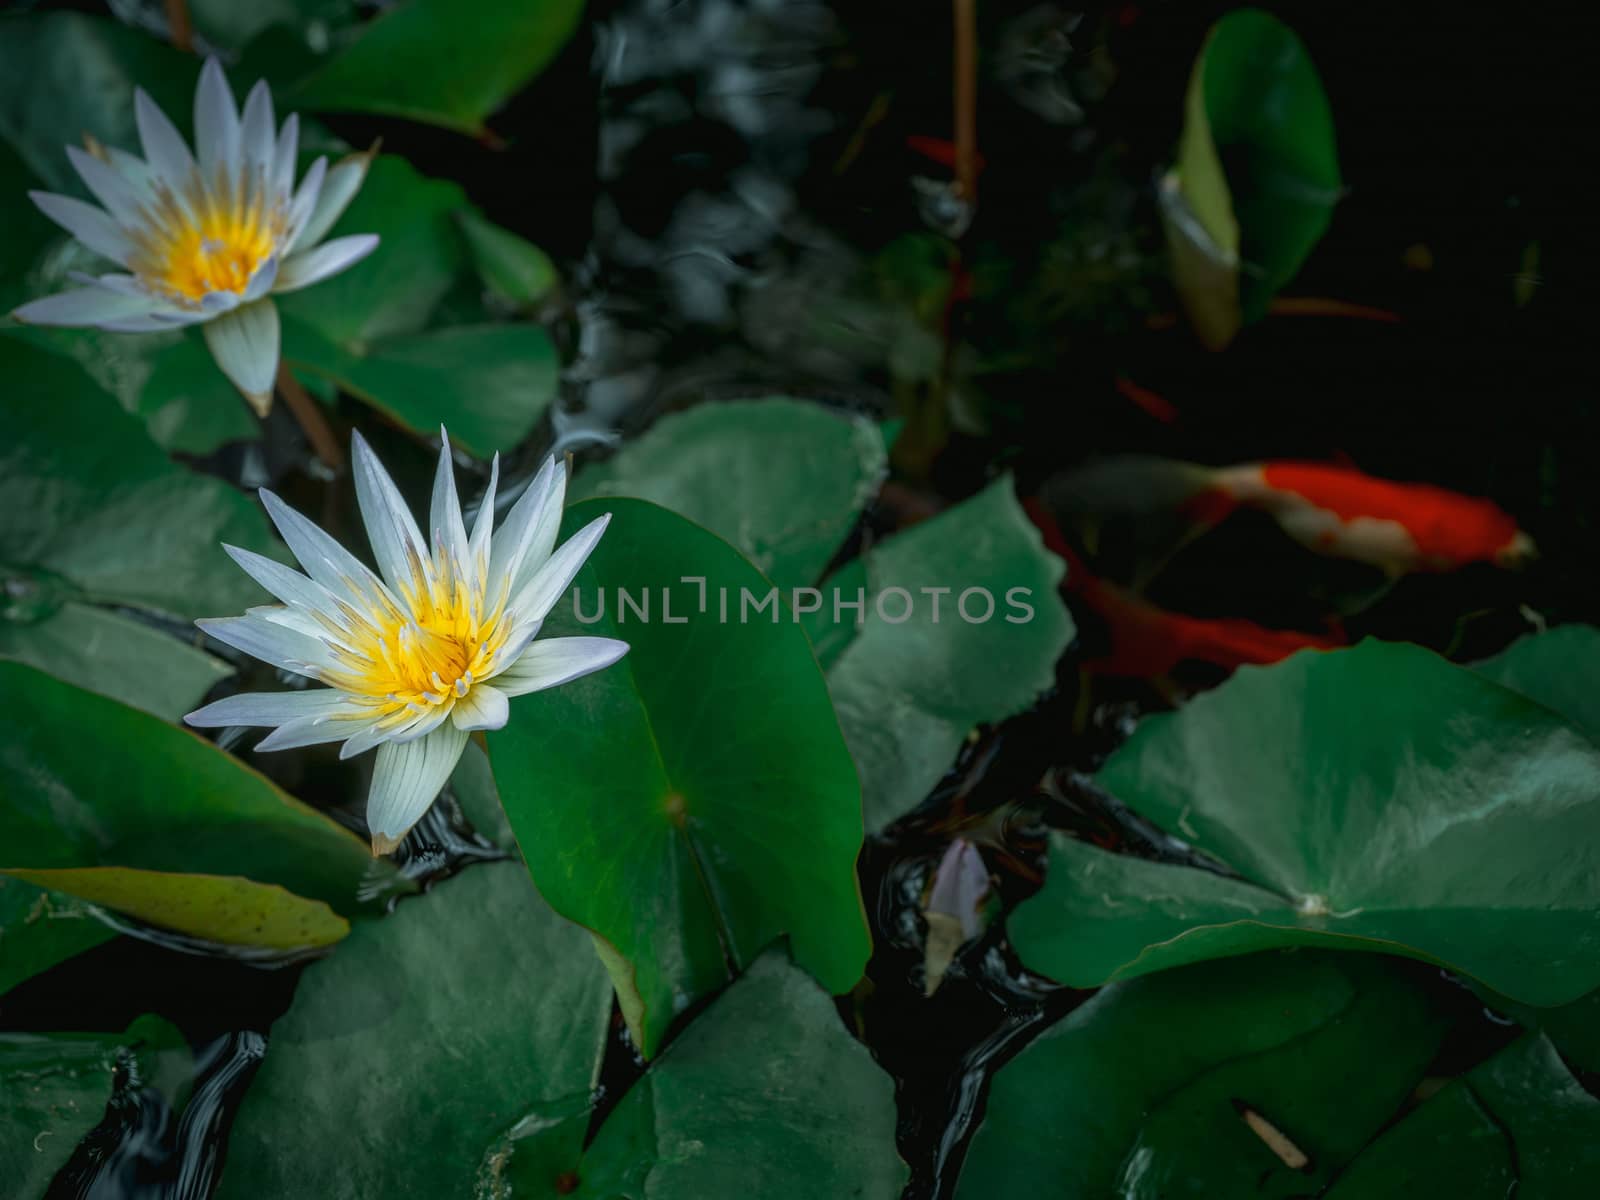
[(445, 62), (960, 624), (97, 514), (471, 1013), (1257, 1076), (161, 825), (1257, 174), (696, 800), (1376, 798), (1557, 668), (764, 1094), (782, 480), (39, 928), (54, 1088), (1516, 1125)]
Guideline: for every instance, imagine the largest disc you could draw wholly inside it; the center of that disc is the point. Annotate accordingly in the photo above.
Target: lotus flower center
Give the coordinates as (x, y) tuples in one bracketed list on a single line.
[(213, 242)]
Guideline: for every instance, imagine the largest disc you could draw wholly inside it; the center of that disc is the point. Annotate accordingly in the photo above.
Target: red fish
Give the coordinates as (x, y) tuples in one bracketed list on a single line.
[(1148, 642), (1400, 527), (939, 150)]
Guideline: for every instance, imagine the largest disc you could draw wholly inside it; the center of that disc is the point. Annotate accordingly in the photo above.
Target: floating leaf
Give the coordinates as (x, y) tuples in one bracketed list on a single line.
[(472, 782), (782, 480), (53, 1090), (172, 806), (444, 62), (694, 801), (1516, 1125), (765, 1094), (1143, 1092), (909, 689), (1556, 668), (97, 514), (512, 267), (39, 928), (434, 1033), (1257, 174), (1377, 798)]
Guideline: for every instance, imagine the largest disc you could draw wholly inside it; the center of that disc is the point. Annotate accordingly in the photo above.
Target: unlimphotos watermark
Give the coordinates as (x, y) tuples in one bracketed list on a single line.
[(892, 605)]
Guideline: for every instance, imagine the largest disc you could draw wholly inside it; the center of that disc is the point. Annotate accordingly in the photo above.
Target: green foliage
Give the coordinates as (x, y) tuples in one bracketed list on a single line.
[(1138, 1093), (908, 692), (468, 1014), (169, 808), (1257, 172), (97, 515), (781, 480), (1367, 798), (39, 928), (446, 62), (694, 801), (511, 267)]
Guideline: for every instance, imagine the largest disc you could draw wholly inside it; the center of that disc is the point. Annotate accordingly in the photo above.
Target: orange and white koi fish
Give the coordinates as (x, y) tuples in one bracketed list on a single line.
[(1148, 642), (1399, 527)]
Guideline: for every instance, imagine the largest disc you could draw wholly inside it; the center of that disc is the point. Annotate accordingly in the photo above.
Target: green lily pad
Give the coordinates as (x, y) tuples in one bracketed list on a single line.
[(782, 480), (54, 1088), (1516, 1125), (908, 691), (472, 783), (65, 74), (166, 803), (511, 266), (1257, 172), (1557, 668), (40, 928), (765, 1094), (433, 1033), (1376, 798), (1143, 1092), (98, 515), (696, 800), (441, 61)]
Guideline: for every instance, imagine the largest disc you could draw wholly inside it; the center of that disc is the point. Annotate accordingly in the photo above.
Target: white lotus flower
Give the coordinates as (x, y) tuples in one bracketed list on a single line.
[(419, 658), (206, 237)]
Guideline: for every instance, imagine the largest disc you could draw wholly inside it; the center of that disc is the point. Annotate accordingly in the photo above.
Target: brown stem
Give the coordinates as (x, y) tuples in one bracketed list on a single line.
[(308, 414), (179, 25), (966, 99)]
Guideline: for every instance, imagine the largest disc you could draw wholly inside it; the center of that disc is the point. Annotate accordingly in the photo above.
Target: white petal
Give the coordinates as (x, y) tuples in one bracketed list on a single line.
[(330, 258), (524, 538), (405, 781), (318, 730), (426, 723), (269, 708), (216, 125), (540, 594), (483, 526), (91, 306), (397, 543), (156, 323), (122, 199), (448, 530), (324, 559), (90, 225), (305, 200), (284, 582), (270, 642), (554, 661), (338, 189), (483, 707), (257, 140), (164, 148), (263, 280), (283, 157), (245, 344)]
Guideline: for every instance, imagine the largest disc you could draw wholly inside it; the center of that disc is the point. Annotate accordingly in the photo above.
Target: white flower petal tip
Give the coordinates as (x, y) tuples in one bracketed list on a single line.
[(204, 231), (383, 845), (244, 341), (424, 653)]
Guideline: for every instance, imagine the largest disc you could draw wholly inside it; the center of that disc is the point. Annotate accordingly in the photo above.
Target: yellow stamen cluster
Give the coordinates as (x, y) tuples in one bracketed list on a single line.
[(212, 239), (427, 651)]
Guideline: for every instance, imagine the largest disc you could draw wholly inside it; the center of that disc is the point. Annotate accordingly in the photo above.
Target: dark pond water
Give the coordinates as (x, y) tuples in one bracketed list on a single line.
[(744, 205)]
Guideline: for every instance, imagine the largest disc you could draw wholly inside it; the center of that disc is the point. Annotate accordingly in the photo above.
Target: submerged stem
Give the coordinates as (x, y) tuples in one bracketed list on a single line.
[(309, 416)]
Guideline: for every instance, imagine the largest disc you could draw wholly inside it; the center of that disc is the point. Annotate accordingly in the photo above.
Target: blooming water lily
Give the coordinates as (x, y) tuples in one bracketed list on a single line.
[(206, 237), (425, 651)]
